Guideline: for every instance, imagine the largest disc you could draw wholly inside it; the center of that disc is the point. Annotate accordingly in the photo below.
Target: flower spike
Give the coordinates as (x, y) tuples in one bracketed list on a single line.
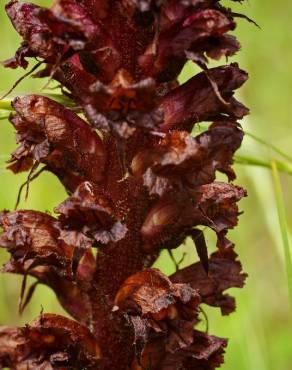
[(138, 182)]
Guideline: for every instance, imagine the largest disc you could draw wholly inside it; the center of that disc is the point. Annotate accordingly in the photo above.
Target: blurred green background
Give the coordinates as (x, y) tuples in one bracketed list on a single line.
[(260, 330)]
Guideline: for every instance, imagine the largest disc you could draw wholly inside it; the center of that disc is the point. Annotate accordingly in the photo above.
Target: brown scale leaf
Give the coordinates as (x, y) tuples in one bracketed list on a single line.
[(201, 247)]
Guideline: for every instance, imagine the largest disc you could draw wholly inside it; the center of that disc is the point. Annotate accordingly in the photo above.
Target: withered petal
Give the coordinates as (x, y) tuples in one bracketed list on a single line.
[(204, 353), (89, 216), (51, 134), (155, 306), (33, 240), (217, 203), (196, 100), (38, 40), (49, 342), (187, 29), (182, 160), (151, 294), (224, 272), (173, 217)]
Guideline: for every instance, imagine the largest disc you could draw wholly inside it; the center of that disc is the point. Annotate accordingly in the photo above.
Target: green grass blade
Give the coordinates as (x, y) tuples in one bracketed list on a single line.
[(283, 225), (271, 146), (4, 114), (252, 161), (5, 104)]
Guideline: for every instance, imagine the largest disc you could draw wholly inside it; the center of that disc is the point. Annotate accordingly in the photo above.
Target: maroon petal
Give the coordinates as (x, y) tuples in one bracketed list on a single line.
[(51, 134), (194, 31), (205, 353), (173, 217), (167, 222), (155, 306), (32, 237), (197, 101), (38, 39), (123, 105), (224, 273), (33, 240), (89, 216), (50, 342), (180, 160), (217, 204), (152, 295)]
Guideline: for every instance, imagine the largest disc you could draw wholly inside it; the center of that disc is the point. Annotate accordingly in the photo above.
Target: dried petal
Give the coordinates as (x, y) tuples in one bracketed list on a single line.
[(205, 353), (37, 37), (187, 30), (167, 222), (217, 203), (196, 100), (33, 240), (89, 216), (51, 134), (152, 294), (50, 342), (180, 160), (158, 307), (122, 105), (173, 217), (225, 272)]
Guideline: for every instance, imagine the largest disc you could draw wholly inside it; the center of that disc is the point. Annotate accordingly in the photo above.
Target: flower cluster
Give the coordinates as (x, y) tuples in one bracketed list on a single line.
[(138, 182)]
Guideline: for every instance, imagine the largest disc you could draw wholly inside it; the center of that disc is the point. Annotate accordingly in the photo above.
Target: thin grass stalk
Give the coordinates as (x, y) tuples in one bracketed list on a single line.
[(283, 225), (253, 161), (270, 146)]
